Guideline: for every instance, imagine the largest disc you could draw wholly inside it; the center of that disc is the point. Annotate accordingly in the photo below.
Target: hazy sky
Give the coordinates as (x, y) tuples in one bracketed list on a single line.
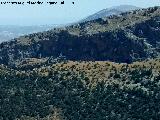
[(60, 14)]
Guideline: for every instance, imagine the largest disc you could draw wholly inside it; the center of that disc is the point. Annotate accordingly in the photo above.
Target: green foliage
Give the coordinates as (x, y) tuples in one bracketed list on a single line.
[(33, 95)]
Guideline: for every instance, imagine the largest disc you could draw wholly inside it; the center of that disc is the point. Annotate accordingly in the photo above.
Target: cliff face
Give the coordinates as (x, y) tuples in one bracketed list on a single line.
[(125, 38)]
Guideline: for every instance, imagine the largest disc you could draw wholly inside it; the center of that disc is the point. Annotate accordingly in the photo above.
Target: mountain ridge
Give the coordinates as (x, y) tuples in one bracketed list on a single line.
[(115, 10), (101, 39)]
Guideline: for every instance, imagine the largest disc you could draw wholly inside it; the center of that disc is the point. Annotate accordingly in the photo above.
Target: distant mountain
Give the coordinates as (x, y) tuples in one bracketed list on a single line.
[(8, 32), (110, 11)]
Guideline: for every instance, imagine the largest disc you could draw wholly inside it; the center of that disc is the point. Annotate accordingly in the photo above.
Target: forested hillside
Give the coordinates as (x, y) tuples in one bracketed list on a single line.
[(82, 90), (105, 69)]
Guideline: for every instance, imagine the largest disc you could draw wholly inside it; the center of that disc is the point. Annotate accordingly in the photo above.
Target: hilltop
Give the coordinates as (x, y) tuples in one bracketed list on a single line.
[(116, 10)]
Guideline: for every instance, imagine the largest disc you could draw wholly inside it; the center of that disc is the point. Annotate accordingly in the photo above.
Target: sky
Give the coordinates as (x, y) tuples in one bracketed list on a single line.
[(46, 14)]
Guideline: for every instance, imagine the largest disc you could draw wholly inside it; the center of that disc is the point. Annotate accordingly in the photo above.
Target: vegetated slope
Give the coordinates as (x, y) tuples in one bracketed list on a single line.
[(110, 11), (82, 90), (125, 38)]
